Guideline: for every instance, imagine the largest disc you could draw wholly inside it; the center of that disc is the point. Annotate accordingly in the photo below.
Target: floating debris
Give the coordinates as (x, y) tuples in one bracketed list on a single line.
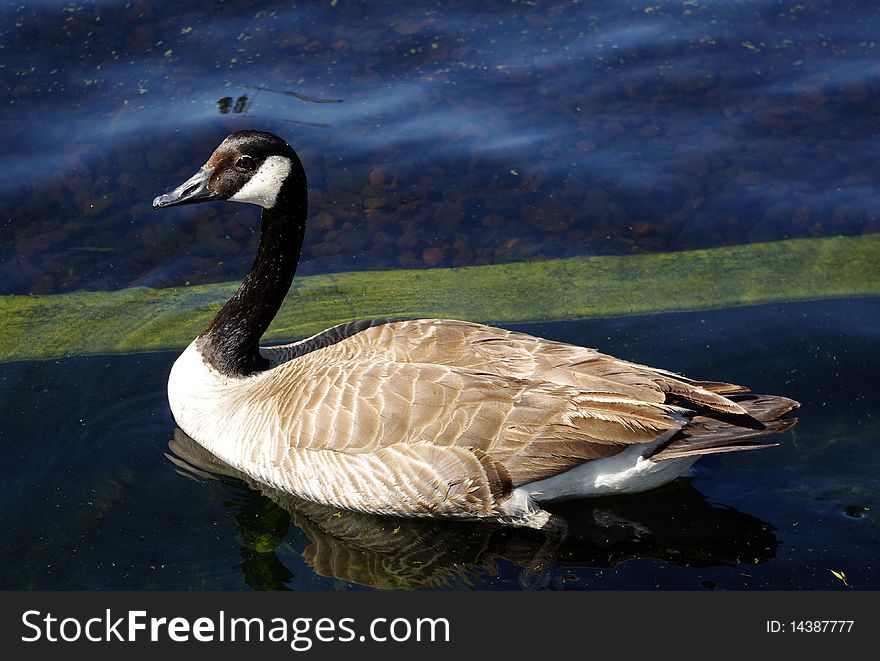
[(841, 575)]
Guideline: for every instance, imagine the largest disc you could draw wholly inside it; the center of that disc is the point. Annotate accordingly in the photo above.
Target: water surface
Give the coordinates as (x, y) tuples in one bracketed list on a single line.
[(465, 134), (441, 134), (92, 500)]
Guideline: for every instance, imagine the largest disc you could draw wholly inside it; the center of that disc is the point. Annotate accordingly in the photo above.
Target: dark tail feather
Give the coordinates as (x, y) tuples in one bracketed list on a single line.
[(721, 387), (711, 433), (766, 407)]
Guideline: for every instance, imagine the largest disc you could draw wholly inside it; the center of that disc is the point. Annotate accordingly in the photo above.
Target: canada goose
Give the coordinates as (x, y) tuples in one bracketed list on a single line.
[(426, 417)]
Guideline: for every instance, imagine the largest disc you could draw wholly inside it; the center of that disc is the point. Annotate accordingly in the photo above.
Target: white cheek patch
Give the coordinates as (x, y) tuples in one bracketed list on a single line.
[(263, 187)]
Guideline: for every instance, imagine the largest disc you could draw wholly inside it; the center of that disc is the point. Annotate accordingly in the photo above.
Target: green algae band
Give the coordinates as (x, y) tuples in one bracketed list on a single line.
[(144, 319)]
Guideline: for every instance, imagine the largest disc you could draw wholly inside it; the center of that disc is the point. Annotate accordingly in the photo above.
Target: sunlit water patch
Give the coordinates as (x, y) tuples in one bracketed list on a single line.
[(465, 134)]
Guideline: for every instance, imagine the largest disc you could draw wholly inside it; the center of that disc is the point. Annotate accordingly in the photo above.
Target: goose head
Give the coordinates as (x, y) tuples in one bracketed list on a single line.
[(248, 166), (259, 168)]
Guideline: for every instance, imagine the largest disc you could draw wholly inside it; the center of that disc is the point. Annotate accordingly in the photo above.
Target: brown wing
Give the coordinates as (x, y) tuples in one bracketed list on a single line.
[(452, 384), (510, 354)]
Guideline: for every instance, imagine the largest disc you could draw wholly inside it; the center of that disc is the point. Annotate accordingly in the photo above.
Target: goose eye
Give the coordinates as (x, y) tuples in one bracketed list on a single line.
[(245, 164)]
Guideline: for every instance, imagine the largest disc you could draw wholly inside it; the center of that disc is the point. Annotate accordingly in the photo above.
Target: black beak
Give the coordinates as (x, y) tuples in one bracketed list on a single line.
[(193, 190)]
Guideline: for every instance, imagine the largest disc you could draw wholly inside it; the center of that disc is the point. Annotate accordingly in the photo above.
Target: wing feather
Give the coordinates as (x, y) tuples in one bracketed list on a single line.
[(531, 407)]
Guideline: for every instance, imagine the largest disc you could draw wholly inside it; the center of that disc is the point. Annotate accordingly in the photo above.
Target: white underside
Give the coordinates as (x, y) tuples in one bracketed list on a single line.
[(625, 472)]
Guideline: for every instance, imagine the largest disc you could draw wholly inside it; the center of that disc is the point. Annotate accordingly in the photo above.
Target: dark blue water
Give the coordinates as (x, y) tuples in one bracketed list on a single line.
[(465, 134), (441, 134), (92, 501)]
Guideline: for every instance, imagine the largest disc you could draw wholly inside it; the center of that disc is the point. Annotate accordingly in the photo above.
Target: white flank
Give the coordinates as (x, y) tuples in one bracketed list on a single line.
[(263, 187), (625, 472)]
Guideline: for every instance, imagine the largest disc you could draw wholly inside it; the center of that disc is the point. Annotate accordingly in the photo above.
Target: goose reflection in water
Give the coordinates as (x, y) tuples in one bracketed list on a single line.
[(674, 524)]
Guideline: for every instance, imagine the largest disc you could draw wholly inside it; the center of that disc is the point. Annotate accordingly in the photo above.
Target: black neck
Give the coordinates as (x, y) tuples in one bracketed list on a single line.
[(230, 343)]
